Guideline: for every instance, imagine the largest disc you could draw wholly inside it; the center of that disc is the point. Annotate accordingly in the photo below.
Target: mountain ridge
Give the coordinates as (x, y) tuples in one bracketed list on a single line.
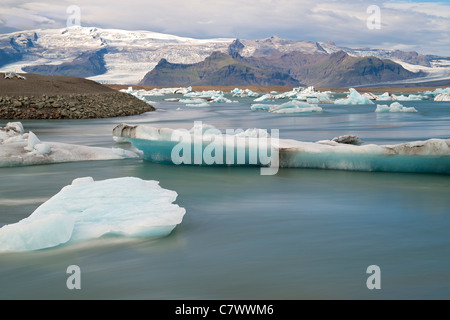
[(132, 54)]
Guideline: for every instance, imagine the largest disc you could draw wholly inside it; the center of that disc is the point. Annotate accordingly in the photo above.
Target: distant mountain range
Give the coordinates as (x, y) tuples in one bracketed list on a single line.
[(149, 58)]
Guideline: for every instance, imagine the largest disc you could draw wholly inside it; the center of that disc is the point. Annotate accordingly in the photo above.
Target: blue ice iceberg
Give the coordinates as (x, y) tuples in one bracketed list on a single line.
[(89, 209), (158, 145), (354, 98)]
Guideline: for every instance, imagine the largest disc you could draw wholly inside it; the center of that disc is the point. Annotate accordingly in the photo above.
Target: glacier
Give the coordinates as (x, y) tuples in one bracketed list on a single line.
[(430, 156), (394, 107), (88, 209), (354, 97), (18, 148)]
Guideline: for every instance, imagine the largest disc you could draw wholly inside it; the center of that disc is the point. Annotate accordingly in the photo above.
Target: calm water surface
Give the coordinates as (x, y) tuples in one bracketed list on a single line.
[(300, 234)]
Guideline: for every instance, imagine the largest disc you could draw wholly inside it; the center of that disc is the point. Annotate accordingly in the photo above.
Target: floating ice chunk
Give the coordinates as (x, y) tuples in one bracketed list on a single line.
[(32, 141), (411, 97), (442, 97), (295, 106), (15, 126), (264, 97), (156, 91), (203, 94), (35, 145), (354, 98), (394, 107), (385, 97), (243, 93), (348, 139), (369, 95), (26, 149), (438, 91), (42, 148), (260, 107), (432, 156), (89, 209)]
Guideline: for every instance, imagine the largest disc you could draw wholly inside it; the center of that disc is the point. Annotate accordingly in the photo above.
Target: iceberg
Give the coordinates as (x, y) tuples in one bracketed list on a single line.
[(394, 107), (345, 153), (438, 91), (354, 98), (21, 149), (411, 97), (293, 106), (442, 97), (260, 107), (243, 93), (89, 209), (157, 92), (385, 97), (211, 95), (311, 95)]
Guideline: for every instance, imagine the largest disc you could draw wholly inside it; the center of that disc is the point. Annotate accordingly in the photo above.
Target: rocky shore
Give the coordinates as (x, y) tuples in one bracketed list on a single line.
[(48, 97), (72, 106)]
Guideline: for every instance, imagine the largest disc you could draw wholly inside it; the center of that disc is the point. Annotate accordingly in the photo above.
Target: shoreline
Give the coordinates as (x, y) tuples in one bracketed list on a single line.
[(55, 97), (268, 89)]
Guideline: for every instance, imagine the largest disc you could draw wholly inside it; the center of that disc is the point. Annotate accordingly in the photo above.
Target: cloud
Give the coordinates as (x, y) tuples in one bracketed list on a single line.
[(422, 26)]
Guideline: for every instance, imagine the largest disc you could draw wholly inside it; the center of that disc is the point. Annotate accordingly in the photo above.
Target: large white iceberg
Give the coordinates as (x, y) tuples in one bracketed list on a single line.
[(89, 209), (354, 98), (20, 149), (394, 107)]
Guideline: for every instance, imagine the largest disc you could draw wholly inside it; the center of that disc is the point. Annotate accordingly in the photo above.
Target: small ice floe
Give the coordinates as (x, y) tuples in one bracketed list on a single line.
[(394, 107), (293, 106), (18, 148), (88, 209), (442, 97), (354, 98)]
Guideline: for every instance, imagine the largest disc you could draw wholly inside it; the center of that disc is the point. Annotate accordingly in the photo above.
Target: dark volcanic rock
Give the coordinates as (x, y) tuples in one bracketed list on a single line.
[(46, 97)]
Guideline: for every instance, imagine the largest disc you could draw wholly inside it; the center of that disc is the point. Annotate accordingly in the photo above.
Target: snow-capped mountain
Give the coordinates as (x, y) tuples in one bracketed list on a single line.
[(125, 57)]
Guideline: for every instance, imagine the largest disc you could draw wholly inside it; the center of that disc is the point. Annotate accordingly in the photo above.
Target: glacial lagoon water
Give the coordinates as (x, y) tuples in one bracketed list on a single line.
[(300, 234)]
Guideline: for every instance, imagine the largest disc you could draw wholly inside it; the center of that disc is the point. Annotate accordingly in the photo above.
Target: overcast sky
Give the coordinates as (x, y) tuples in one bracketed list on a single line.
[(423, 26)]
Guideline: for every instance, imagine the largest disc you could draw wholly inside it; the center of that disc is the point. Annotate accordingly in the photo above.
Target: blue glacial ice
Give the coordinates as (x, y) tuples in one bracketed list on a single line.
[(354, 97), (89, 209), (157, 144), (394, 107)]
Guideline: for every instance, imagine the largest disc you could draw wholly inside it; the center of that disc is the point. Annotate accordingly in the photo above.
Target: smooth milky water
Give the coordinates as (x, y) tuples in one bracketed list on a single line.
[(300, 234)]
